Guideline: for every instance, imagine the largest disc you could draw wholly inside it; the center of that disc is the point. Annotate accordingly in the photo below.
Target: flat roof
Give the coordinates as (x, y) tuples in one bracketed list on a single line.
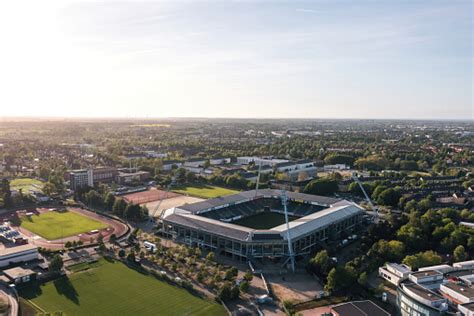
[(426, 273), (468, 306), (16, 249), (359, 308), (423, 292), (464, 290), (17, 272)]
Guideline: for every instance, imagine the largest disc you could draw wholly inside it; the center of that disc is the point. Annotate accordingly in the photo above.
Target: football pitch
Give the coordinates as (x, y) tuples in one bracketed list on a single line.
[(111, 288), (58, 224), (26, 184), (204, 191), (264, 220)]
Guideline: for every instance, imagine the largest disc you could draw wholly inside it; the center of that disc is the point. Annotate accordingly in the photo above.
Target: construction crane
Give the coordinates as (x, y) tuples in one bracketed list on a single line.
[(372, 206)]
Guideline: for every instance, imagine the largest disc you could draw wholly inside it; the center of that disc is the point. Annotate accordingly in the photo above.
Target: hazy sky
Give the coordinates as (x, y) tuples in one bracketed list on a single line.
[(345, 59)]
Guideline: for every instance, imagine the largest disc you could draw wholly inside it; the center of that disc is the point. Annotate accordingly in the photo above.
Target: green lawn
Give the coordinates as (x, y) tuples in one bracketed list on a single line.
[(26, 184), (205, 191), (265, 220), (112, 288), (57, 224)]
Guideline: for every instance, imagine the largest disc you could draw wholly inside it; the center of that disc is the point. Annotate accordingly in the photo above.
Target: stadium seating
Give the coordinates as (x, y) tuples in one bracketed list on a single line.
[(253, 207)]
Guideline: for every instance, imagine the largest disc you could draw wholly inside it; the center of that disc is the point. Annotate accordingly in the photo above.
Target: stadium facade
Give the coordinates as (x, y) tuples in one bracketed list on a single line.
[(215, 223)]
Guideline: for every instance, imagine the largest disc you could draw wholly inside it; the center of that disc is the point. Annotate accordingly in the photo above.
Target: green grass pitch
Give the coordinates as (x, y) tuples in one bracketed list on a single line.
[(204, 191), (111, 288), (57, 224), (265, 220), (26, 184)]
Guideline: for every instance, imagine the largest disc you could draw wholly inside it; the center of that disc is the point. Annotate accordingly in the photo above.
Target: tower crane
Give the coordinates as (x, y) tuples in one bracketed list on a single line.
[(355, 177)]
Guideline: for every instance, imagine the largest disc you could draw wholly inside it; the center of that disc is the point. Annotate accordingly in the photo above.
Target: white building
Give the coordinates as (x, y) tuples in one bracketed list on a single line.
[(245, 160), (456, 293), (168, 165), (195, 162), (18, 254), (395, 273), (464, 265), (339, 166), (80, 179), (443, 268), (219, 161), (466, 309)]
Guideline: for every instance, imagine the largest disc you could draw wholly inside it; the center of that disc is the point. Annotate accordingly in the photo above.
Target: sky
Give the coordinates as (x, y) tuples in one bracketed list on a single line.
[(246, 59)]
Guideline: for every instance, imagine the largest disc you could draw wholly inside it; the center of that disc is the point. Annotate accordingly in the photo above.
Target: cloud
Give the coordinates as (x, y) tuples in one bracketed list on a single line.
[(308, 10)]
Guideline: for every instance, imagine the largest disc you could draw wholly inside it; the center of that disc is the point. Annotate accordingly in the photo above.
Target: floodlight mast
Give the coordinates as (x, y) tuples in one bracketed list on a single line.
[(288, 234), (372, 206), (168, 188)]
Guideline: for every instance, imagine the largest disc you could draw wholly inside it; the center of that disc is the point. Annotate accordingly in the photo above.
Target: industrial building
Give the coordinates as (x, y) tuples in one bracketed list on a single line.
[(218, 224)]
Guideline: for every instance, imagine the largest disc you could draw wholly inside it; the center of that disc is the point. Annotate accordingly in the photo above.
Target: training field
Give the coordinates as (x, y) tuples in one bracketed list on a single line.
[(58, 224), (148, 196), (205, 191), (26, 184), (114, 289), (265, 220)]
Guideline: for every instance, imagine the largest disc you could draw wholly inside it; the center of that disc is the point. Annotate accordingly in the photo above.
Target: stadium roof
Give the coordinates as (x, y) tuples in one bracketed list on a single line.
[(249, 195), (315, 221), (188, 215)]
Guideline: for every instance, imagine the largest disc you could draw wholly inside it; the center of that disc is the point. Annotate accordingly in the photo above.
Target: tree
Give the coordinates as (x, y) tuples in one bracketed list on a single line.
[(362, 280), (321, 263), (131, 257), (231, 274), (5, 193), (323, 186), (119, 207), (113, 238), (56, 263), (121, 253), (244, 286), (389, 197), (109, 201), (210, 257), (339, 278), (422, 259), (225, 292), (248, 276), (459, 253)]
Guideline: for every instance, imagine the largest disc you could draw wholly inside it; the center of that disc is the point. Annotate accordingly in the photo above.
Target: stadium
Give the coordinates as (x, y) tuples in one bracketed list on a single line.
[(252, 224)]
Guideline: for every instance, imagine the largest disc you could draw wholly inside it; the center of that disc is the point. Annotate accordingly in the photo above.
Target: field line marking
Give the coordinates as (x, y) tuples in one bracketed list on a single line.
[(37, 306)]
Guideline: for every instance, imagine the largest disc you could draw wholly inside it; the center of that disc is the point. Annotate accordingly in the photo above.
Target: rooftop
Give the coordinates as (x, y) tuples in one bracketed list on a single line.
[(18, 272), (16, 249), (461, 289), (426, 273), (423, 292), (359, 308)]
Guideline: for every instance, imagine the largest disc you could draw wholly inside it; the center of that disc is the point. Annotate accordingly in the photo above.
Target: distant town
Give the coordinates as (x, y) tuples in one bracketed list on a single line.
[(238, 217)]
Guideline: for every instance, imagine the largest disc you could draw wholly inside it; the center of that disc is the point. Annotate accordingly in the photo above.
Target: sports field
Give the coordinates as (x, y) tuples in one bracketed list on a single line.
[(205, 191), (265, 220), (58, 224), (111, 288), (26, 184)]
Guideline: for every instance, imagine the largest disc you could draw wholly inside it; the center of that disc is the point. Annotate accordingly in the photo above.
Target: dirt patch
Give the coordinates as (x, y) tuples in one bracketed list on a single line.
[(299, 287), (148, 196)]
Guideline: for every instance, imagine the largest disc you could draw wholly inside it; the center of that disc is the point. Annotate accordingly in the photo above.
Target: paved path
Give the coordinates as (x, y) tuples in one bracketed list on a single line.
[(7, 293)]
